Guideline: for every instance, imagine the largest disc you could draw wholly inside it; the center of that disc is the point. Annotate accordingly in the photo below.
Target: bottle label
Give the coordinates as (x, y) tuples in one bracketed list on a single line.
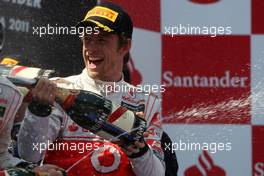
[(130, 127), (122, 118)]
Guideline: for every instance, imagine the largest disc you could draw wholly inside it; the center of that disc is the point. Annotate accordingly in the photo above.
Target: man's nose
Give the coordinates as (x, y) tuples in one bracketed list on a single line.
[(91, 46)]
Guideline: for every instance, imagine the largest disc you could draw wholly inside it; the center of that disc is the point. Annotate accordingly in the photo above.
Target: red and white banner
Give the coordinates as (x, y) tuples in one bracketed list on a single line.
[(208, 74), (209, 55)]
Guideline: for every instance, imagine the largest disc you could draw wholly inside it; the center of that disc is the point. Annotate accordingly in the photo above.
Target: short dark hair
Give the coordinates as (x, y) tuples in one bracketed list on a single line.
[(126, 73)]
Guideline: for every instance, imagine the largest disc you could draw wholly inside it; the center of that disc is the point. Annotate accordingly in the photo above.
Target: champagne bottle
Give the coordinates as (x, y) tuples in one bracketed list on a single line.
[(101, 116), (96, 113), (23, 71)]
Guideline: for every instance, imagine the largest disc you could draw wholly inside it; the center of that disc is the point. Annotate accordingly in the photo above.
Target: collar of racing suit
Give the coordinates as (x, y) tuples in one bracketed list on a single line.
[(103, 87)]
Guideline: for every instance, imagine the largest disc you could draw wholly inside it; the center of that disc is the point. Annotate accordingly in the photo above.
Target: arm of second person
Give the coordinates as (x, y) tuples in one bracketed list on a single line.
[(37, 132)]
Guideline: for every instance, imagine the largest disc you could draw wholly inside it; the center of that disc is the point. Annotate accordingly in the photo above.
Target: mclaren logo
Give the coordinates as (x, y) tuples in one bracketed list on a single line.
[(204, 1)]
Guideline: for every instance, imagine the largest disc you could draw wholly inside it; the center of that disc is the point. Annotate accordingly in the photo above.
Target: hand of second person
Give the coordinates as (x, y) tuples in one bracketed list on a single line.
[(44, 92)]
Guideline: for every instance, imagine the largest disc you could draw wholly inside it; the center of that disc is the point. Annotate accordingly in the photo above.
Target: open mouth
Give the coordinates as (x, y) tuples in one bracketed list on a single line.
[(93, 63)]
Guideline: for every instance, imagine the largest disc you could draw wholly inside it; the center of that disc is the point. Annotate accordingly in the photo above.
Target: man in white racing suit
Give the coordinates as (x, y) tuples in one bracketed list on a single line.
[(58, 140)]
